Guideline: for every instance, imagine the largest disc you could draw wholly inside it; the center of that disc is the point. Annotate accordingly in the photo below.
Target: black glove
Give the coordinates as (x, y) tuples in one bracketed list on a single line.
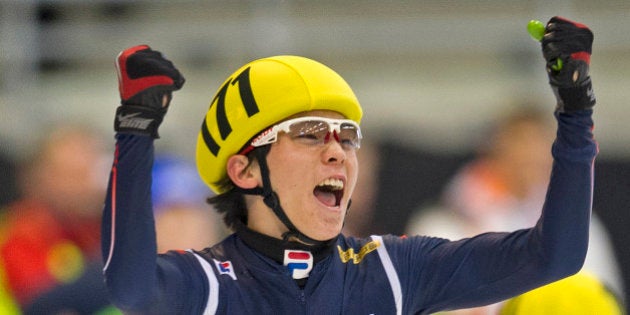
[(146, 81), (566, 47)]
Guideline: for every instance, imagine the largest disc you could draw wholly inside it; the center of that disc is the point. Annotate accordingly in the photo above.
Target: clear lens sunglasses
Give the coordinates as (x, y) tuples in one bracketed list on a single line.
[(312, 131)]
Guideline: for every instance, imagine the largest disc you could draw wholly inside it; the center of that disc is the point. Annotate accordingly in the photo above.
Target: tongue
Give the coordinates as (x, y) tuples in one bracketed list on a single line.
[(326, 198)]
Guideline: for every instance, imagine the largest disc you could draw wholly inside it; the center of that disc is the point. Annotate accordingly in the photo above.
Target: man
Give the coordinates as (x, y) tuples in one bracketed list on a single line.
[(51, 234), (278, 146)]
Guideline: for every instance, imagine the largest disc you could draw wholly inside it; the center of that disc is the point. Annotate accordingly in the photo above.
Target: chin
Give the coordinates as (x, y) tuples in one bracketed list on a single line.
[(328, 234)]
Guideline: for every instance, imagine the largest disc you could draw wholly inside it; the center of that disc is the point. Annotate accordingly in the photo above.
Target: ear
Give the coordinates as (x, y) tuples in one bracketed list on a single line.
[(243, 173)]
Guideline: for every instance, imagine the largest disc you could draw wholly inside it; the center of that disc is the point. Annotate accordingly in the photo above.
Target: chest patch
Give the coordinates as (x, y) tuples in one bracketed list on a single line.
[(299, 263)]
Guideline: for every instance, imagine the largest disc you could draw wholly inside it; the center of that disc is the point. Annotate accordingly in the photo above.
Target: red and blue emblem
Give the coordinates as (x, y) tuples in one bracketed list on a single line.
[(299, 263), (225, 268)]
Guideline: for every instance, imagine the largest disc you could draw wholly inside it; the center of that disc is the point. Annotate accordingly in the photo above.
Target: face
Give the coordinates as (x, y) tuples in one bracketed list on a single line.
[(71, 174), (521, 155), (313, 183)]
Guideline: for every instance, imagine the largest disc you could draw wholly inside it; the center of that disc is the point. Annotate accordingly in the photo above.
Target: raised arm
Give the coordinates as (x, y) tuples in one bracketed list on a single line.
[(146, 80), (495, 266)]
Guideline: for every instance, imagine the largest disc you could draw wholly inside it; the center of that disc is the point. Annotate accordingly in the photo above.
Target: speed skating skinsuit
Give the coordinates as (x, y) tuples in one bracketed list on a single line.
[(376, 275)]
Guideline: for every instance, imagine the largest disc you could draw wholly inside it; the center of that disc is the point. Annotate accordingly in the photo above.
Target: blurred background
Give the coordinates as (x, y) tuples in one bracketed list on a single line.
[(432, 76)]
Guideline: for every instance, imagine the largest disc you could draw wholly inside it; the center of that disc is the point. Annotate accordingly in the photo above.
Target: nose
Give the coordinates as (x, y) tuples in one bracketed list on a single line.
[(333, 152)]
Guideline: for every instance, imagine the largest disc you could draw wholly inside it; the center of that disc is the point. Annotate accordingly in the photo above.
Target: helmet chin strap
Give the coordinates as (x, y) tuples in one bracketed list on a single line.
[(270, 198)]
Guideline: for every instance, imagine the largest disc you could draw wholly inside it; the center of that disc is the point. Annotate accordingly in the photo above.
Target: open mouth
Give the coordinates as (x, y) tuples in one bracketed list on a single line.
[(329, 192)]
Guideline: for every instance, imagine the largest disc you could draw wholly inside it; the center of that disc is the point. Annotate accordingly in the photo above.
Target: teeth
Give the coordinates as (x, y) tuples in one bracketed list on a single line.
[(335, 184)]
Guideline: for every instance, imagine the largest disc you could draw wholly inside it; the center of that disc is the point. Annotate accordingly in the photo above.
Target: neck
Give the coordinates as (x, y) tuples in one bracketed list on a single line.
[(274, 248)]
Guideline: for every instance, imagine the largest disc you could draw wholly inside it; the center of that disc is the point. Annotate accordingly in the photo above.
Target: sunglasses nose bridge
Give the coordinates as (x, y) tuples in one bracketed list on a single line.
[(335, 135), (334, 127)]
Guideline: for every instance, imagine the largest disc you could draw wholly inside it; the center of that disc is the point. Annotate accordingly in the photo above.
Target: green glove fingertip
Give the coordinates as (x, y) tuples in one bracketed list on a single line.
[(557, 66), (536, 29)]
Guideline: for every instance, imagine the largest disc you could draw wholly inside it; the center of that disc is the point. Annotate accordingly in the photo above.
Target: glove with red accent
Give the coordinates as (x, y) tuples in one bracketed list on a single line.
[(146, 80), (566, 46)]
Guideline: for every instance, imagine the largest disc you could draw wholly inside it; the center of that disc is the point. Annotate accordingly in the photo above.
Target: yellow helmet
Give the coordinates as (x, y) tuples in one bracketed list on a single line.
[(260, 94), (582, 293)]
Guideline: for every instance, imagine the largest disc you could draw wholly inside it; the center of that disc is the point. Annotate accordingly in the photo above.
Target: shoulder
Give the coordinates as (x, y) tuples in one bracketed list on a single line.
[(225, 249), (403, 250), (388, 241), (209, 261), (382, 246)]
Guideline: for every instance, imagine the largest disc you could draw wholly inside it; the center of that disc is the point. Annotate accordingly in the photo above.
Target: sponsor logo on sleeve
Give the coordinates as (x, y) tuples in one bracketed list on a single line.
[(350, 255), (131, 121)]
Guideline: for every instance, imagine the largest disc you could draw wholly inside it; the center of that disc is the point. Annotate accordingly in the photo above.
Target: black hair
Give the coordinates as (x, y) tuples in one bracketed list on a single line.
[(231, 205)]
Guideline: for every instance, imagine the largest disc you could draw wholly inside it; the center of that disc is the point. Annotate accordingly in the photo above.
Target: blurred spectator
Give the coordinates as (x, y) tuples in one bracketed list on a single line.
[(183, 221), (8, 185), (50, 234), (7, 304), (360, 215), (8, 193), (87, 295), (580, 294), (503, 189)]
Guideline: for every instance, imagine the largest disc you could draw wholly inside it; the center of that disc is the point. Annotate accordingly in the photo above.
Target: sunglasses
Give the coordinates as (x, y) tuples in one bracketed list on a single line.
[(312, 131)]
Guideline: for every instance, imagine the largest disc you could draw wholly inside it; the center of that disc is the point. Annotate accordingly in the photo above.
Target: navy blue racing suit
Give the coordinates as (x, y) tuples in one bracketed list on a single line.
[(376, 275)]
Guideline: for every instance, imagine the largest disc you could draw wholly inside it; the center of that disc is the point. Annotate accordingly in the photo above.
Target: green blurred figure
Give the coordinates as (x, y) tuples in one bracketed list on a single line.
[(7, 304)]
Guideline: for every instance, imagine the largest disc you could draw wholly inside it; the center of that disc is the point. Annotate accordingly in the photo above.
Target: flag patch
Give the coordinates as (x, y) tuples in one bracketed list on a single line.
[(225, 268)]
